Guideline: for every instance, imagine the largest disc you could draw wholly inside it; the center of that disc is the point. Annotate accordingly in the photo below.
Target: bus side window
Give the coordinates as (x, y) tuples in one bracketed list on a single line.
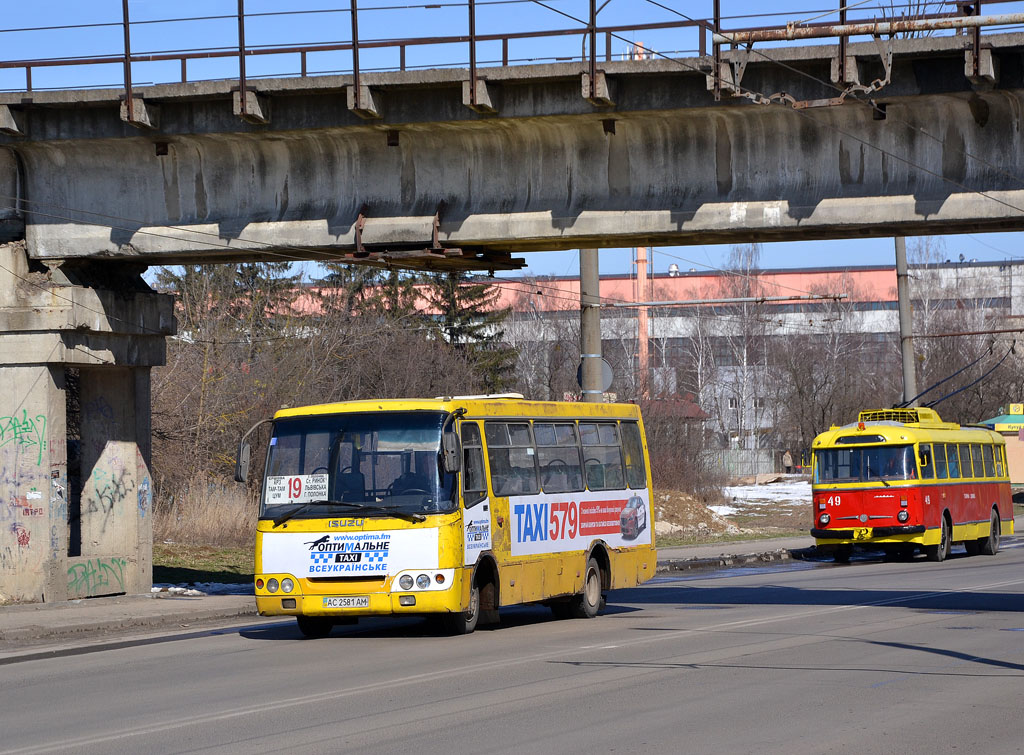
[(558, 455), (602, 456), (939, 460), (474, 479), (999, 459), (979, 464), (633, 447), (927, 466), (986, 452), (951, 458), (511, 457), (965, 460)]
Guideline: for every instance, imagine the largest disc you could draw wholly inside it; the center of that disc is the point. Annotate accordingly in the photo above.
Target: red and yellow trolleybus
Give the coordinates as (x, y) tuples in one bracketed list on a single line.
[(900, 480)]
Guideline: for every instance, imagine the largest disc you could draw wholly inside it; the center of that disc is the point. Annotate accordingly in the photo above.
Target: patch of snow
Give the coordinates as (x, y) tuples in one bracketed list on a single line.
[(796, 493), (205, 588), (723, 510)]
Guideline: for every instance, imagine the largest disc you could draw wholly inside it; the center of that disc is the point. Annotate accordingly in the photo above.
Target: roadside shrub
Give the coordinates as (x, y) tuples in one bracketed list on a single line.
[(205, 511)]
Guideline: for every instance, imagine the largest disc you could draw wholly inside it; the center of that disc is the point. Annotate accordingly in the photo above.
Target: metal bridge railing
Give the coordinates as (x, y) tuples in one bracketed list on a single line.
[(704, 34)]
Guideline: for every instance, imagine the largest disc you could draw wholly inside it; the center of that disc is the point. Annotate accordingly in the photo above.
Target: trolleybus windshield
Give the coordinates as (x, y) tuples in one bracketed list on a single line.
[(864, 464), (385, 461)]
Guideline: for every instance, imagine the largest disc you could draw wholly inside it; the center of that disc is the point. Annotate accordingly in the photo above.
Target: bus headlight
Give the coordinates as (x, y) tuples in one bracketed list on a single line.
[(272, 585), (405, 582), (903, 515), (824, 519), (423, 581), (287, 585)]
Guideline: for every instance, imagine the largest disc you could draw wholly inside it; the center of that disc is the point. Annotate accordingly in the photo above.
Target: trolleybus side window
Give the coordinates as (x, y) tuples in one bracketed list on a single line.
[(474, 481), (602, 456), (952, 458), (927, 462), (979, 464), (512, 458), (558, 454), (990, 465), (999, 460), (633, 448), (965, 460), (939, 451)]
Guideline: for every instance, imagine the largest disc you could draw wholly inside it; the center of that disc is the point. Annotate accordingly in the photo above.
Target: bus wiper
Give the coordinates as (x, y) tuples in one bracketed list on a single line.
[(409, 517), (289, 514)]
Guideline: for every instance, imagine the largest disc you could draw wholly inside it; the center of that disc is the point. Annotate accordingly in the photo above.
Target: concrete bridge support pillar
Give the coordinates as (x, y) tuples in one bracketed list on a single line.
[(76, 348)]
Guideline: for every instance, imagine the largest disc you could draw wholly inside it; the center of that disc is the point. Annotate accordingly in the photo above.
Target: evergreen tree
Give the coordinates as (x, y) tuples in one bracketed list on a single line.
[(469, 318), (357, 290)]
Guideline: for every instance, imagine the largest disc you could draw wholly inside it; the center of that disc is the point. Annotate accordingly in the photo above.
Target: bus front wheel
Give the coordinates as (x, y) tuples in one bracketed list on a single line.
[(588, 603), (465, 621), (940, 552)]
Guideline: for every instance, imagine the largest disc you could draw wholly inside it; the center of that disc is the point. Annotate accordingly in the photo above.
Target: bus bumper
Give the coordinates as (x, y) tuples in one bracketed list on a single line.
[(379, 605), (867, 534)]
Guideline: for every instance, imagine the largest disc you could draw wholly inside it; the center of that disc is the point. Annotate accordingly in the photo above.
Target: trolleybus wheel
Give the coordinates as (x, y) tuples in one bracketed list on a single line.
[(940, 552), (588, 603), (465, 622), (842, 554), (990, 545), (314, 627)]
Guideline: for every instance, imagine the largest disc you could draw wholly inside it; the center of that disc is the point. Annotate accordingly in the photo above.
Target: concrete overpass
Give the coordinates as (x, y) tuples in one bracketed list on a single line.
[(537, 162), (427, 170)]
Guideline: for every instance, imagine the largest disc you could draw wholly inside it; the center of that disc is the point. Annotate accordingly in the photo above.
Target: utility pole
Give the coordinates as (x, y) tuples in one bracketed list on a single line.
[(590, 326), (906, 326), (643, 350)]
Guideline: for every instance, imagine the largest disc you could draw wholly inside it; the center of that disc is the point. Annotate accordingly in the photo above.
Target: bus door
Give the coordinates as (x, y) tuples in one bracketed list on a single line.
[(476, 511)]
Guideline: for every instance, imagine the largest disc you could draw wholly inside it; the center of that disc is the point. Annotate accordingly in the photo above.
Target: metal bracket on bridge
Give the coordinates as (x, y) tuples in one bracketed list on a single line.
[(359, 225)]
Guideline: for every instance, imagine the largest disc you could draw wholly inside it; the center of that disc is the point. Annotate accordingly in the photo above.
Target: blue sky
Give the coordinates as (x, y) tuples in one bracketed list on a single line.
[(23, 36)]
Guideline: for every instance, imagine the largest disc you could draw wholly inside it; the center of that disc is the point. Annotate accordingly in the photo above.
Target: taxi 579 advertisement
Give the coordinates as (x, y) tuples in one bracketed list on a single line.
[(570, 521)]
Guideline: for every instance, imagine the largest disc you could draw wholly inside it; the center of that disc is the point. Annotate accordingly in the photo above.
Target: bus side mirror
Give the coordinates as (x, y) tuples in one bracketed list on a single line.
[(242, 462), (451, 452)]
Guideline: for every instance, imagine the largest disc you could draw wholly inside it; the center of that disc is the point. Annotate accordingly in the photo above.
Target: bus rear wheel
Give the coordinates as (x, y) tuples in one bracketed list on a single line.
[(990, 545), (588, 603), (940, 552), (314, 627), (465, 622)]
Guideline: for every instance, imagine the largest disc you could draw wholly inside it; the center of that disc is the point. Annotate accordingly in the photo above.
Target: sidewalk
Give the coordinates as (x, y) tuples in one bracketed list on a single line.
[(27, 628)]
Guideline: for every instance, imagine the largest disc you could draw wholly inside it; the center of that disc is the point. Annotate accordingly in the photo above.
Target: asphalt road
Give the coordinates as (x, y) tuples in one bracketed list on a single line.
[(809, 658)]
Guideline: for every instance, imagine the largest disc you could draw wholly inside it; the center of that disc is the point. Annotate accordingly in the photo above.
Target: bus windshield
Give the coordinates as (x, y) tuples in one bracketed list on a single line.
[(357, 464), (865, 464)]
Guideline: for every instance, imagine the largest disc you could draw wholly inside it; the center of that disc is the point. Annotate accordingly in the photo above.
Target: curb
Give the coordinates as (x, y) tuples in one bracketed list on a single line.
[(122, 623), (723, 561)]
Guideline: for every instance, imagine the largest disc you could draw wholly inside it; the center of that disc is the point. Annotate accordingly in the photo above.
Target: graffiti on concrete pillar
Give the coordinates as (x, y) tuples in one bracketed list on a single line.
[(145, 497), (22, 533), (97, 576), (111, 488), (24, 432)]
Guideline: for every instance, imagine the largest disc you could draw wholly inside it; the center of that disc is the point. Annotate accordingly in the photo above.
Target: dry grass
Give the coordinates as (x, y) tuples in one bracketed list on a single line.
[(207, 511)]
